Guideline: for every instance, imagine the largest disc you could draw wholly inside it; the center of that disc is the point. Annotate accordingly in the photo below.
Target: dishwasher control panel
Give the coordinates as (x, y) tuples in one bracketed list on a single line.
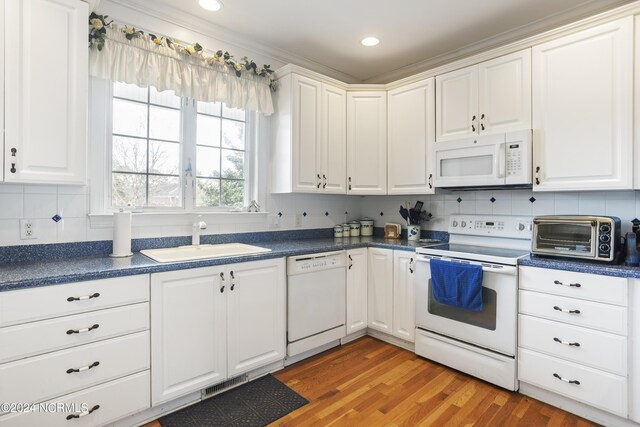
[(315, 262)]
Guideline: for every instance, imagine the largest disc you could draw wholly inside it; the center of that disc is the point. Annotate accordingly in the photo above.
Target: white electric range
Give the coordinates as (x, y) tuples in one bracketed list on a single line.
[(480, 343)]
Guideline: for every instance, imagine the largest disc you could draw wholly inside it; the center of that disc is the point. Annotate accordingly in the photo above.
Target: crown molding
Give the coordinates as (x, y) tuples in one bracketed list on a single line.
[(581, 16), (198, 25)]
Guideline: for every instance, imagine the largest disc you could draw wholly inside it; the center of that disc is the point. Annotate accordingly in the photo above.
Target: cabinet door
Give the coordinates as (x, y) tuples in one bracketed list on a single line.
[(634, 368), (380, 289), (356, 290), (306, 117), (457, 104), (256, 314), (404, 319), (582, 109), (188, 331), (411, 123), (46, 84), (333, 145), (2, 91), (504, 93), (367, 142)]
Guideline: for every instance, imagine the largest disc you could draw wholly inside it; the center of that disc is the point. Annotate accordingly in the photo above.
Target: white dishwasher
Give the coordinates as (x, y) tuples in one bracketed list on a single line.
[(316, 294)]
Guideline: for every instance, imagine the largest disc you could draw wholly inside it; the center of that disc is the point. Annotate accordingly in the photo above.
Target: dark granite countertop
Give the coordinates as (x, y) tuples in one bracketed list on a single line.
[(20, 275), (591, 267)]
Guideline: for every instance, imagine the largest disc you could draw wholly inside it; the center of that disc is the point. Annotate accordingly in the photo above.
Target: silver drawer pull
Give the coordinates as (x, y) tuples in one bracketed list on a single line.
[(572, 285), (565, 310), (84, 368), (84, 297), (576, 382), (82, 414), (83, 330), (574, 344)]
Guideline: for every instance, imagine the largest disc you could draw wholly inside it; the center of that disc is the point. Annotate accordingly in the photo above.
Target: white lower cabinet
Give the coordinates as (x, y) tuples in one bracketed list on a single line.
[(209, 324), (404, 319), (634, 354), (391, 292), (569, 342), (380, 290), (76, 343), (356, 290)]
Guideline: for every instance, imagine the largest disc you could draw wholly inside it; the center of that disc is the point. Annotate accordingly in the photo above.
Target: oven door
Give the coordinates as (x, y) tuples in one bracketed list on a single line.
[(493, 328), (575, 237)]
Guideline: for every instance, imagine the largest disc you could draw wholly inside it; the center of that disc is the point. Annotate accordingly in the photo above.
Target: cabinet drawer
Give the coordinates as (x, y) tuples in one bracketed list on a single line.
[(603, 317), (31, 339), (611, 290), (28, 305), (596, 388), (116, 399), (44, 377), (597, 349)]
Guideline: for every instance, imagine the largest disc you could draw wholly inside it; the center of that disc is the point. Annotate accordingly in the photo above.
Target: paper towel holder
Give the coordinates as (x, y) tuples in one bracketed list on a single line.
[(124, 246)]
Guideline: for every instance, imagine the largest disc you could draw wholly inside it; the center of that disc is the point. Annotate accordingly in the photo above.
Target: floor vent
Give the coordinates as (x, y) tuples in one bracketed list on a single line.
[(224, 386)]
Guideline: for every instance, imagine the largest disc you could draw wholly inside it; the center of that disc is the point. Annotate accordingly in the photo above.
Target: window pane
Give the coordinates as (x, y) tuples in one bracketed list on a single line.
[(208, 192), (208, 131), (164, 123), (128, 188), (129, 118), (129, 154), (124, 90), (233, 113), (232, 164), (212, 108), (164, 157), (232, 193), (167, 98), (233, 134), (208, 162), (164, 191)]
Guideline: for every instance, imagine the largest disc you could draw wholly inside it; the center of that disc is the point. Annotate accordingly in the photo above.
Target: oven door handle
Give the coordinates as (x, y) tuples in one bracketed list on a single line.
[(486, 267)]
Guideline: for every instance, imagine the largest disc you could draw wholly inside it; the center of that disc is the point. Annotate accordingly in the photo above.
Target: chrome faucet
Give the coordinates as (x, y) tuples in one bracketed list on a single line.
[(195, 235)]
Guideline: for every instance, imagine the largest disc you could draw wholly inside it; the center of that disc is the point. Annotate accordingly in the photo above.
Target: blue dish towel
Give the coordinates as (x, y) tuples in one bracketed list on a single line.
[(457, 284)]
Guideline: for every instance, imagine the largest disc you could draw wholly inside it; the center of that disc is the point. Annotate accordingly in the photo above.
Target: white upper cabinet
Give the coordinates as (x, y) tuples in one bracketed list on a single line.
[(2, 91), (411, 130), (583, 109), (491, 97), (367, 142), (309, 135), (46, 85)]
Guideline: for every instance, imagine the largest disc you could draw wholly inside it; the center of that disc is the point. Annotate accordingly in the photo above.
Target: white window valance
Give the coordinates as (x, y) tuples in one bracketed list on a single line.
[(142, 62)]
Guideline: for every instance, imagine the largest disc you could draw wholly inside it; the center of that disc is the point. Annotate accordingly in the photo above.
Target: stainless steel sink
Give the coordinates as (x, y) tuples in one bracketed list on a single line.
[(191, 252)]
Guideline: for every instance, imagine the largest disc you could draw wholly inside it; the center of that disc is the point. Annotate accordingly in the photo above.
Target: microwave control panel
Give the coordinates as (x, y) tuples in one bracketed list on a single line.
[(514, 159), (518, 157)]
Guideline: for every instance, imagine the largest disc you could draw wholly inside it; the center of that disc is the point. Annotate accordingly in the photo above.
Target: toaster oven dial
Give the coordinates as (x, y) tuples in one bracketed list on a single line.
[(605, 228), (605, 238), (604, 247)]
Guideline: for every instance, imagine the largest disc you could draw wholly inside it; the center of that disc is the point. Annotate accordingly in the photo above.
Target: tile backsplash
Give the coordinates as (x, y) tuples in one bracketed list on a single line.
[(40, 203), (623, 204)]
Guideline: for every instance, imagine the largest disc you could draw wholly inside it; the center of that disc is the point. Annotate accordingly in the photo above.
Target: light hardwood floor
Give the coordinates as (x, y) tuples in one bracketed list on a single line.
[(371, 383)]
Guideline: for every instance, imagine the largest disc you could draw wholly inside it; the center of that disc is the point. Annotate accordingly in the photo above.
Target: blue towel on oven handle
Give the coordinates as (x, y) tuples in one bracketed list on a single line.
[(457, 284)]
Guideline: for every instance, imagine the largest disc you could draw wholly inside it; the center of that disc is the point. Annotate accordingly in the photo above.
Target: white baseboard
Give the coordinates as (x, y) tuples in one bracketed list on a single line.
[(407, 345)]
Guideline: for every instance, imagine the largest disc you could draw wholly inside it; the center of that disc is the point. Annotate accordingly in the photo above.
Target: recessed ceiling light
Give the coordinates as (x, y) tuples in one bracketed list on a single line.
[(212, 5), (368, 41)]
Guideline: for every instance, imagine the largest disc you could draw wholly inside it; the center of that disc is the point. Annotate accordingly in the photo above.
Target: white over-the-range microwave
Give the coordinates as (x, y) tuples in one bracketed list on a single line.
[(484, 161)]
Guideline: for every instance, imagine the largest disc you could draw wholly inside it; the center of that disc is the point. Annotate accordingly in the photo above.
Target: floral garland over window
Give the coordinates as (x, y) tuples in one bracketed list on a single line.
[(97, 37)]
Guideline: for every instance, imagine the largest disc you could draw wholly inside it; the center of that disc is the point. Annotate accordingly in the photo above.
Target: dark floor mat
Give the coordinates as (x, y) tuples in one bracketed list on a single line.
[(256, 403)]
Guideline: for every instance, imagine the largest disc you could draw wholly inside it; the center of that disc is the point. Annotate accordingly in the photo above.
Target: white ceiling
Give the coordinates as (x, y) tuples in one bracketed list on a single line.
[(328, 32)]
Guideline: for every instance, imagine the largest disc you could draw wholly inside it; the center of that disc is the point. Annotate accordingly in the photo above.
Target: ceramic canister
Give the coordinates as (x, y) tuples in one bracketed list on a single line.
[(355, 229), (345, 230), (366, 227), (337, 231)]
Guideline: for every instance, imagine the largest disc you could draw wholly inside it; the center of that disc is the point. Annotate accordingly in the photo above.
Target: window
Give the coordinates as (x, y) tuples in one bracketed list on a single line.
[(173, 153)]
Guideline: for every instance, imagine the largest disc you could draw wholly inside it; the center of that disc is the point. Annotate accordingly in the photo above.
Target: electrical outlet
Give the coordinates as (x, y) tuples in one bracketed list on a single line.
[(298, 221), (274, 221), (27, 229)]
